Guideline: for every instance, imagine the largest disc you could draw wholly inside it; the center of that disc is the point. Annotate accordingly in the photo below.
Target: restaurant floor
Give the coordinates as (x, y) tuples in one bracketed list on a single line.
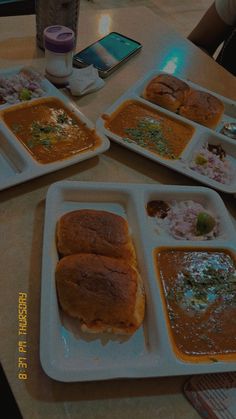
[(182, 15)]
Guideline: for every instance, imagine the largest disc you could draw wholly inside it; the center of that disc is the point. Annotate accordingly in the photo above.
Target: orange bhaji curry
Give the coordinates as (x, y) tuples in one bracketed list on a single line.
[(49, 131), (138, 123), (199, 293)]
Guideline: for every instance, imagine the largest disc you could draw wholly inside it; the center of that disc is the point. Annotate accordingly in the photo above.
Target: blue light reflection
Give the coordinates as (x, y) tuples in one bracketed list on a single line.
[(174, 61)]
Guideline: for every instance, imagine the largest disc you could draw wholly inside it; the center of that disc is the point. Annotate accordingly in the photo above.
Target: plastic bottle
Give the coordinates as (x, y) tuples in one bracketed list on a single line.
[(59, 42), (55, 12)]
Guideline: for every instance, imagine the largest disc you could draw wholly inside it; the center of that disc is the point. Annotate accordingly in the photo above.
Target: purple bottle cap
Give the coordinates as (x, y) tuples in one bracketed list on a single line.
[(59, 38)]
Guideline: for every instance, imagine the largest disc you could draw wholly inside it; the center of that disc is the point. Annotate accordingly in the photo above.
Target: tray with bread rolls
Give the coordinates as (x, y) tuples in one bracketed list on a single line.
[(178, 124), (41, 130), (138, 280)]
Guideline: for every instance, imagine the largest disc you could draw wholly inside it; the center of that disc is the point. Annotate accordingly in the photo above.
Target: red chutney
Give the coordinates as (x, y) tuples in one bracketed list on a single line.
[(49, 131), (199, 293)]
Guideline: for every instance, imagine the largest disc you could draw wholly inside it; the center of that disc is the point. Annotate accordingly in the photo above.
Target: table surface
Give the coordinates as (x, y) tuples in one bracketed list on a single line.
[(22, 216)]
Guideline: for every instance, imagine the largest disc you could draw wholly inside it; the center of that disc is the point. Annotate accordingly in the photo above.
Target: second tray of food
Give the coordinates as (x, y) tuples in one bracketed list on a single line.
[(178, 124), (138, 280), (41, 130)]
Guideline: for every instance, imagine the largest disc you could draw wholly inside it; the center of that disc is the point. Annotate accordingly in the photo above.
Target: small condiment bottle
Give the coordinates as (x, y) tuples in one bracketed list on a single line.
[(59, 43)]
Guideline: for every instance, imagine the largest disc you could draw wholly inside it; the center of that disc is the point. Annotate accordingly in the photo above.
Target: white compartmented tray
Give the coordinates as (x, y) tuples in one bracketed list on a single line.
[(16, 163), (65, 354), (201, 136)]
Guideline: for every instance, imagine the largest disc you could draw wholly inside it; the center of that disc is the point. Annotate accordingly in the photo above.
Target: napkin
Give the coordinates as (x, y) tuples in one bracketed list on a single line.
[(85, 80)]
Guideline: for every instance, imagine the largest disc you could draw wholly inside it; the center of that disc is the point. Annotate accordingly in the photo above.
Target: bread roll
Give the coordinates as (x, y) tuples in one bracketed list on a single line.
[(203, 108), (94, 231), (167, 91), (105, 293)]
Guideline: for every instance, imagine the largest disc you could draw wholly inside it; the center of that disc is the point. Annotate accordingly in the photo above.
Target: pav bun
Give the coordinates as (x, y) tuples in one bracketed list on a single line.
[(104, 293), (166, 91), (203, 108), (94, 231)]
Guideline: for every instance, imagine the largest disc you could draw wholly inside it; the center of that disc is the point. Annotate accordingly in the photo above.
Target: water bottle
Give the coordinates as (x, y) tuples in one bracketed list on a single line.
[(55, 12)]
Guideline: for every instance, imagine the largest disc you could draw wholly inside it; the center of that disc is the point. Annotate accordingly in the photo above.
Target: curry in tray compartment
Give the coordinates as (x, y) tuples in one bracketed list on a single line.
[(199, 295), (140, 124), (49, 130)]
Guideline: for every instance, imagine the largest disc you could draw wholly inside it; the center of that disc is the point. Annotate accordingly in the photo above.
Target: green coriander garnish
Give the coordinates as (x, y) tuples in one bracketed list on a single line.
[(44, 134), (149, 134), (62, 118)]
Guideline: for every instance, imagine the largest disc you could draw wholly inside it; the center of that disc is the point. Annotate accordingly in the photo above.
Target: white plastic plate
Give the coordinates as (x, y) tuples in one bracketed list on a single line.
[(66, 355), (16, 163), (201, 136)]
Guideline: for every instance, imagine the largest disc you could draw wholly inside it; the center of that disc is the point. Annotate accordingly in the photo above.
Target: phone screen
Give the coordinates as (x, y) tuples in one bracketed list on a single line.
[(108, 51)]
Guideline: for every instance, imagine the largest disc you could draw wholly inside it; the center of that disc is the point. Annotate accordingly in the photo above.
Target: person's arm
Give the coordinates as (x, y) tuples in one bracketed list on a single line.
[(210, 32)]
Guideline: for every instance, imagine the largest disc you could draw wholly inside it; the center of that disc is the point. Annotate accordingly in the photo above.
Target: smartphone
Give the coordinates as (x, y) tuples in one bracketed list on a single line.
[(108, 53)]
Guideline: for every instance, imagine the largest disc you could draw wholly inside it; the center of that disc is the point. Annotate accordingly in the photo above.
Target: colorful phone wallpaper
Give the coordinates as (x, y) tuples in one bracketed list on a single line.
[(108, 51)]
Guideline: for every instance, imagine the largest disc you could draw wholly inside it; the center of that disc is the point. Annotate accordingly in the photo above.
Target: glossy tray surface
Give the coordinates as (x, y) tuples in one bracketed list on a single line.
[(17, 165), (201, 138), (66, 355)]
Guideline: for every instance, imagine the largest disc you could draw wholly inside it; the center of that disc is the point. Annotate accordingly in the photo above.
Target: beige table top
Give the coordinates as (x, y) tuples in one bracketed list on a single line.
[(22, 217)]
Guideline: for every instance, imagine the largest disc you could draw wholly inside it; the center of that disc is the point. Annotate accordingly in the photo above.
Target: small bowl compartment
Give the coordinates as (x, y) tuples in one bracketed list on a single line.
[(230, 109), (189, 214), (228, 117), (213, 161), (21, 84)]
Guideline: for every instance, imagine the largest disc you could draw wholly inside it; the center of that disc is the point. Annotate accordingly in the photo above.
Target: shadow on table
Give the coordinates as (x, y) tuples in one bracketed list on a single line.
[(8, 403), (17, 7)]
